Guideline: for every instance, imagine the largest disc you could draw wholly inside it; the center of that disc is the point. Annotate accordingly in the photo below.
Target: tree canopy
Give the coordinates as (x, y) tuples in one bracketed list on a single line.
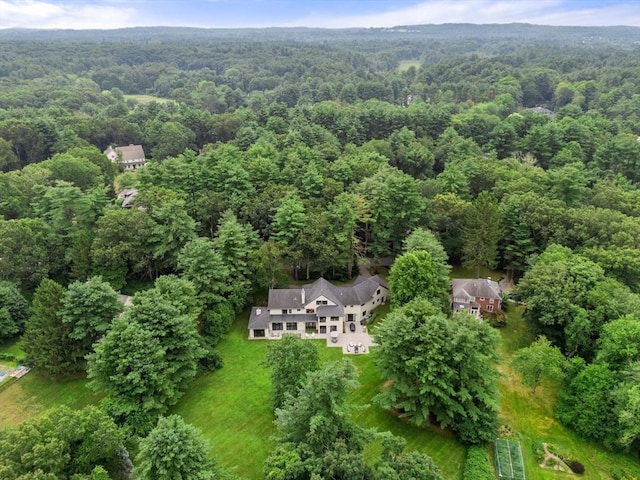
[(440, 369)]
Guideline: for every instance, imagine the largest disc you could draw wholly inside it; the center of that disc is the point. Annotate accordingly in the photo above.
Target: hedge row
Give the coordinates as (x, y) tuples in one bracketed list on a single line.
[(477, 465)]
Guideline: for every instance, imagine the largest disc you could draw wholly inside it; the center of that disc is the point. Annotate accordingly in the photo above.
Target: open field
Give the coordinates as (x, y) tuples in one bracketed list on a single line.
[(404, 65), (231, 406), (34, 394), (531, 416), (145, 99)]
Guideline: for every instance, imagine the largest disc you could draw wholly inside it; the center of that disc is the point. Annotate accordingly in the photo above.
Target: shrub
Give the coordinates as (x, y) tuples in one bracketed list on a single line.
[(576, 466), (538, 451), (477, 465), (495, 319)]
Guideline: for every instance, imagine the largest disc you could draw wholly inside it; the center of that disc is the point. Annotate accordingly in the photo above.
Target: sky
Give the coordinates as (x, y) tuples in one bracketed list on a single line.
[(108, 14)]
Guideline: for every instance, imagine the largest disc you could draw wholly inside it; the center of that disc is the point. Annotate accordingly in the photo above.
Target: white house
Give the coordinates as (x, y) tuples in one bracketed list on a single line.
[(131, 157), (318, 308)]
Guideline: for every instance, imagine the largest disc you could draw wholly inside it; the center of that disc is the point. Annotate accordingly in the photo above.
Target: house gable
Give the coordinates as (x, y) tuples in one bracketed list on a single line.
[(320, 307), (475, 295), (131, 156)]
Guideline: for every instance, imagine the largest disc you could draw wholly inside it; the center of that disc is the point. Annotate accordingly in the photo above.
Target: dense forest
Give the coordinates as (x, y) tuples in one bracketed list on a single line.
[(280, 155)]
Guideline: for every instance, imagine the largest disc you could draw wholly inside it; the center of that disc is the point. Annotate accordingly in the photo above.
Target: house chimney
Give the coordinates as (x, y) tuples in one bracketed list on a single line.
[(302, 296)]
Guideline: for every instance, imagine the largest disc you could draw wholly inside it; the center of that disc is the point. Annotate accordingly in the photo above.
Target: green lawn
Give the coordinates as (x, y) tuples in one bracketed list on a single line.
[(231, 406), (464, 272), (33, 394), (531, 416), (404, 65), (12, 347), (145, 98)]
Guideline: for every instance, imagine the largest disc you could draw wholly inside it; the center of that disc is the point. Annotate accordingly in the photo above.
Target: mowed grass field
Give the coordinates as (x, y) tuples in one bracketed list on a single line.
[(143, 99), (404, 65), (231, 407), (531, 416)]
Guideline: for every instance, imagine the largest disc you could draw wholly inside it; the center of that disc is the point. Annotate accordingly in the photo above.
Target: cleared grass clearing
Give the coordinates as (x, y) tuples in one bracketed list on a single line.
[(144, 99), (404, 65), (231, 406), (531, 416), (34, 394)]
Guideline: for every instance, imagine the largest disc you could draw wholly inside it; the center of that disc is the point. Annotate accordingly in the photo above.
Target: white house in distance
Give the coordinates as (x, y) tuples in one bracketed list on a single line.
[(319, 308), (475, 295), (131, 157)]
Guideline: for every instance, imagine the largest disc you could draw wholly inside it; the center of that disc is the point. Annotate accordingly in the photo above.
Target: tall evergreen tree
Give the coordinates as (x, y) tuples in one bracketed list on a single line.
[(482, 232), (46, 340)]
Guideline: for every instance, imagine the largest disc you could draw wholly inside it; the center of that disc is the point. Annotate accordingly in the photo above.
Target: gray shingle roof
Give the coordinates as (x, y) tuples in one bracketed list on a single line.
[(321, 288), (127, 196), (330, 311), (259, 318), (358, 293), (128, 153), (283, 298), (475, 287)]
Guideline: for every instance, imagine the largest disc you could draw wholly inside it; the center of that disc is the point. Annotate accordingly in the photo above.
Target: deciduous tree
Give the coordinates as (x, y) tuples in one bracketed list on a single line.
[(440, 368), (13, 310), (88, 309), (62, 444), (539, 360), (416, 274), (174, 449), (290, 359)]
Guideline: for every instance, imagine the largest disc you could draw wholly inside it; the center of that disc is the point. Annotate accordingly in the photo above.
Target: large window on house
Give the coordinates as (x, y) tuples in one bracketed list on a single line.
[(258, 333), (334, 319), (323, 319), (292, 326), (323, 329), (334, 328), (310, 325), (321, 302), (351, 317), (489, 308), (284, 311), (276, 326)]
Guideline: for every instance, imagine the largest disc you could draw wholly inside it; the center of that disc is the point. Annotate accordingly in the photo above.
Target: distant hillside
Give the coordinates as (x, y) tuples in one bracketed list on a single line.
[(621, 35)]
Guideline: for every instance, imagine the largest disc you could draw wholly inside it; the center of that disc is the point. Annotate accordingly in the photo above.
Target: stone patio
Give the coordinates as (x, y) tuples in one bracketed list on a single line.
[(348, 340)]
